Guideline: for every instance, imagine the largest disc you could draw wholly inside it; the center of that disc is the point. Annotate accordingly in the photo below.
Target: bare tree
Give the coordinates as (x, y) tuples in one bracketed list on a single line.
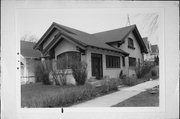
[(30, 38)]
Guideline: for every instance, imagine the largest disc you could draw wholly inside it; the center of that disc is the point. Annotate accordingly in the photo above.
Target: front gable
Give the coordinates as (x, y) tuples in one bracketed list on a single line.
[(136, 47), (135, 37), (52, 38)]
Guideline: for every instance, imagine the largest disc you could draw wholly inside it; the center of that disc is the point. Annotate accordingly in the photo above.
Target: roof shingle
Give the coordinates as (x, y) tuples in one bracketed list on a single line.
[(28, 51)]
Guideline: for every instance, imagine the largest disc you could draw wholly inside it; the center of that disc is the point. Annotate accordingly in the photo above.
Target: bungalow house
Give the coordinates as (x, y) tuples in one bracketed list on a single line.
[(28, 57), (106, 53)]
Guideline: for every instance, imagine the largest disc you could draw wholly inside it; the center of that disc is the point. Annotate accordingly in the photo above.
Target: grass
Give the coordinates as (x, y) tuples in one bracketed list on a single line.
[(144, 99), (39, 95)]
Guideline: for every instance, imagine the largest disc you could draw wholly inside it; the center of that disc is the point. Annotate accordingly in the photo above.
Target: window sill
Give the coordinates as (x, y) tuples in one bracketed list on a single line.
[(112, 68)]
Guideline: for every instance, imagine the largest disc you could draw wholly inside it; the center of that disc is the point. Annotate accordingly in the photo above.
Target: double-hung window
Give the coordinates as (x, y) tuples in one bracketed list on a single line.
[(112, 61), (130, 43), (132, 61)]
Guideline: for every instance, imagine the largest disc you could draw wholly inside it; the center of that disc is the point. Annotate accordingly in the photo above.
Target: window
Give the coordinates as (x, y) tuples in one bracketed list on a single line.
[(123, 61), (132, 62), (65, 60), (139, 63), (130, 43), (112, 61)]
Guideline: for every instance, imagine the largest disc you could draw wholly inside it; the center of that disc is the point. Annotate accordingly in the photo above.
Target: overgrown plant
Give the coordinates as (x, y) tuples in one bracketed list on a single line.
[(42, 70), (143, 69), (79, 72), (129, 81), (61, 74), (153, 73)]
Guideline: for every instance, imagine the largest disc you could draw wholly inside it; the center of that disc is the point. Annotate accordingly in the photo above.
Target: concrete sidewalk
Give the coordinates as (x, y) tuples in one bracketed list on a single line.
[(119, 96)]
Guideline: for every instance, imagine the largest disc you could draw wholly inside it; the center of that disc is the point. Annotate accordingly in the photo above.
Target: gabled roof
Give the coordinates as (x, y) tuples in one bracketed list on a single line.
[(28, 51), (81, 38), (154, 49), (98, 40), (119, 35), (114, 35)]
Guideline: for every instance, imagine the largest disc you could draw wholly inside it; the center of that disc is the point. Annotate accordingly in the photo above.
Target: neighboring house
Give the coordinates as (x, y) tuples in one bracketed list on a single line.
[(28, 58), (148, 56), (106, 53), (154, 51)]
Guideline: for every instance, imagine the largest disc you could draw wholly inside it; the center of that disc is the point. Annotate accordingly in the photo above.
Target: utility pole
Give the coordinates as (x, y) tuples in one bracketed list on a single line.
[(128, 21)]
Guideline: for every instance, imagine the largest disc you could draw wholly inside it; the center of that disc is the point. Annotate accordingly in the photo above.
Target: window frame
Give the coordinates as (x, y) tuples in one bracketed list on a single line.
[(130, 62), (131, 43), (68, 57), (123, 61), (113, 61)]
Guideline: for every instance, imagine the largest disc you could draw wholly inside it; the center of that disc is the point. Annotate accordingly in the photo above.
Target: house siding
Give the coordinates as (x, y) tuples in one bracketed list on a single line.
[(110, 72), (64, 46), (136, 53), (27, 70)]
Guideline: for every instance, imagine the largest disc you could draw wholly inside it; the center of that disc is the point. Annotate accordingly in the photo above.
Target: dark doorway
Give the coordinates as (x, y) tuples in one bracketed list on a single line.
[(96, 65)]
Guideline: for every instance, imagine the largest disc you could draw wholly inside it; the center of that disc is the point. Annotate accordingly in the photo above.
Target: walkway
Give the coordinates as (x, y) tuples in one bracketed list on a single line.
[(119, 96)]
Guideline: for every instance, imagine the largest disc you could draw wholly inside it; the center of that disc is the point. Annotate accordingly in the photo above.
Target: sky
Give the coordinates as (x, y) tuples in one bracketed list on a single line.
[(36, 21)]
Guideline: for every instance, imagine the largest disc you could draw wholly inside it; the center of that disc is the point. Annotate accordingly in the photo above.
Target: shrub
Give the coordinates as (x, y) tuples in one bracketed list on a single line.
[(143, 69), (129, 81), (153, 73), (42, 70), (79, 72), (63, 71), (107, 85), (113, 84), (38, 72)]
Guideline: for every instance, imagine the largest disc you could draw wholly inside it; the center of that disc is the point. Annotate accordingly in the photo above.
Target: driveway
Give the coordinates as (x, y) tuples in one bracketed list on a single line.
[(119, 96)]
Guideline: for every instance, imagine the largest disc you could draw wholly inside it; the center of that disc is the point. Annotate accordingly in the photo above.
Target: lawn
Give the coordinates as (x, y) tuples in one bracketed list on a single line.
[(39, 95), (144, 99)]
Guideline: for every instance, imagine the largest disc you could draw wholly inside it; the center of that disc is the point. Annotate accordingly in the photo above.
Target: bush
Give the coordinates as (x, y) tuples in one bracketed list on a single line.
[(79, 72), (129, 81), (153, 73), (42, 70), (106, 86), (143, 69)]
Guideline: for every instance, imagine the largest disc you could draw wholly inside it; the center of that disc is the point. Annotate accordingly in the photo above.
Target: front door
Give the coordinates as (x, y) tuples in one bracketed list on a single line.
[(96, 63)]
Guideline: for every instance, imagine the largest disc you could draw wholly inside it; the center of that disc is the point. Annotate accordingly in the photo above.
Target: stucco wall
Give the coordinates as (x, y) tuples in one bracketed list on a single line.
[(111, 72), (136, 53), (64, 46)]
